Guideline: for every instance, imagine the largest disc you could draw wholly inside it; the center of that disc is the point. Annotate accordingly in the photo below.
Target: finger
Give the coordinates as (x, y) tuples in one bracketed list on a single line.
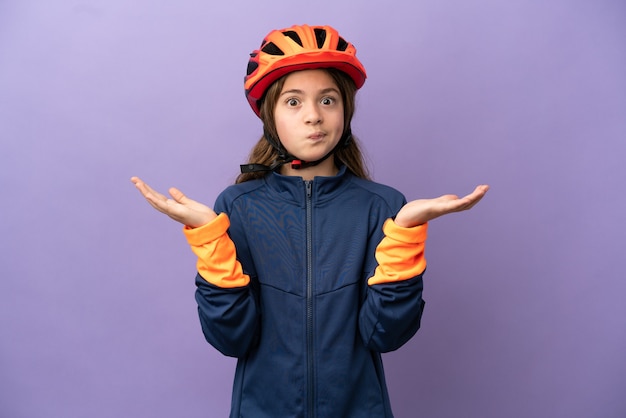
[(193, 205), (469, 201), (180, 198), (154, 198), (142, 187), (178, 195), (478, 192), (448, 197), (153, 193)]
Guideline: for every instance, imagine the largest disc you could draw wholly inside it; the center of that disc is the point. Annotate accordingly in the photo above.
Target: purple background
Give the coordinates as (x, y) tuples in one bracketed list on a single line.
[(525, 308)]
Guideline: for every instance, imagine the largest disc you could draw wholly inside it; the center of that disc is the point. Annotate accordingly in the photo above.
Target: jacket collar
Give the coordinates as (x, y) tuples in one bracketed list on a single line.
[(293, 188)]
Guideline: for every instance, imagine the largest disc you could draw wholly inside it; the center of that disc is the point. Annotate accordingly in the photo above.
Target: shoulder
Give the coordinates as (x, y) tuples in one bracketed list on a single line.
[(392, 197), (235, 192)]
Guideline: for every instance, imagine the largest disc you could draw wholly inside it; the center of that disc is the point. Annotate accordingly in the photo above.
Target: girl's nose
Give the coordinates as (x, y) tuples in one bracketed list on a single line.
[(313, 115)]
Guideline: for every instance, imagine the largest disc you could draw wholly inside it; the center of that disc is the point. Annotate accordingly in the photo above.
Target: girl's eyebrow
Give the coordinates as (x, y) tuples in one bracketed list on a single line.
[(323, 91)]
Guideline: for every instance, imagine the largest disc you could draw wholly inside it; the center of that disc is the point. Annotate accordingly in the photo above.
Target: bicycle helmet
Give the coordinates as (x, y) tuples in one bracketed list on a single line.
[(299, 48)]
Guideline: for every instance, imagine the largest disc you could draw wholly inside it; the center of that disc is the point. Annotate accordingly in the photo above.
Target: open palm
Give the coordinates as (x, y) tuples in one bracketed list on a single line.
[(421, 211), (179, 207)]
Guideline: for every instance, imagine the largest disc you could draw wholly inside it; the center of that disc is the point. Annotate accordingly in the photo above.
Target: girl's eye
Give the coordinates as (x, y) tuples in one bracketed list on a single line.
[(328, 101), (292, 102)]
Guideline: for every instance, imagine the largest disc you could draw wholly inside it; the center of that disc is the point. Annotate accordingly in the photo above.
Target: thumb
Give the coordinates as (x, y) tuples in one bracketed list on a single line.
[(177, 195), (448, 197)]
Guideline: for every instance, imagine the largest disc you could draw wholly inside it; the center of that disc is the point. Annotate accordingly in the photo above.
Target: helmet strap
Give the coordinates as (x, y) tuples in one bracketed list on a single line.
[(285, 158)]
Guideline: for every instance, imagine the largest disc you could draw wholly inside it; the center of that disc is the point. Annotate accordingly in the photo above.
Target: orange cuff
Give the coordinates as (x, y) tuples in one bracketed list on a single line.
[(400, 254), (217, 256)]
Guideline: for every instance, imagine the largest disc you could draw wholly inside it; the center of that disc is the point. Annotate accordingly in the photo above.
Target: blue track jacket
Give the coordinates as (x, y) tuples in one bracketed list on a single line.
[(325, 283)]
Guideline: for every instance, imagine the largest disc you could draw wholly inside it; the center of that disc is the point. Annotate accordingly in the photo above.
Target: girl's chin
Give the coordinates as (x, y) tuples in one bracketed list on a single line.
[(312, 155)]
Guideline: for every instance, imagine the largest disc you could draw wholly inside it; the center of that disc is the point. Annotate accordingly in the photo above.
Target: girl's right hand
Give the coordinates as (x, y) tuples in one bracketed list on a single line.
[(180, 208)]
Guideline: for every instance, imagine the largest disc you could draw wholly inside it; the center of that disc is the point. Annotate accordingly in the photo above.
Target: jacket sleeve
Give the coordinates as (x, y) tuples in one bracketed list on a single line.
[(226, 303), (392, 310)]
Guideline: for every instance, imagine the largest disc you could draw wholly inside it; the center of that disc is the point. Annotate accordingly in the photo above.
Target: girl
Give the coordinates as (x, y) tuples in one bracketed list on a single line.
[(307, 270)]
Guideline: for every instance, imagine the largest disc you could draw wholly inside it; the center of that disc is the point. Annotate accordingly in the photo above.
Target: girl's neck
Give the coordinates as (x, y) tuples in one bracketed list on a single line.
[(326, 168)]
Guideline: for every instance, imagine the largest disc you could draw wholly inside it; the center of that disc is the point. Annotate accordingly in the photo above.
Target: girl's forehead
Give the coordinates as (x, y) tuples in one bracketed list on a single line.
[(309, 78)]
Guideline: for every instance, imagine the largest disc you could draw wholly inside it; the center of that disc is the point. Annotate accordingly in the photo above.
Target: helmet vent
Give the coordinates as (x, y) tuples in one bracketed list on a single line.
[(320, 36), (294, 36), (252, 66), (342, 45), (271, 49)]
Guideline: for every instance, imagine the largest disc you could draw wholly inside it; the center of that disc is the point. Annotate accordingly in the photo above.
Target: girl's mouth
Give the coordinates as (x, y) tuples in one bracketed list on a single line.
[(317, 136)]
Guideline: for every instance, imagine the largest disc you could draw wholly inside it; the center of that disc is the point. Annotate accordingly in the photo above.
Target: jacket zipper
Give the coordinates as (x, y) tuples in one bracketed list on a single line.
[(309, 300)]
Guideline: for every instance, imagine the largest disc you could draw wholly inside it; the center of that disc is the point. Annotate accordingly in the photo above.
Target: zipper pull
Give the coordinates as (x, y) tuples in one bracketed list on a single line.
[(309, 188)]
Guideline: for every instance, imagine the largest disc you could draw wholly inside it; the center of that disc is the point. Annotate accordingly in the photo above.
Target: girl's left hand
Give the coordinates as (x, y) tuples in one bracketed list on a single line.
[(421, 211)]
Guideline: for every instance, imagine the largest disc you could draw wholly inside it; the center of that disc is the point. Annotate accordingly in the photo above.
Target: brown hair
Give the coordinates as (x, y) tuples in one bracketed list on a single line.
[(264, 153)]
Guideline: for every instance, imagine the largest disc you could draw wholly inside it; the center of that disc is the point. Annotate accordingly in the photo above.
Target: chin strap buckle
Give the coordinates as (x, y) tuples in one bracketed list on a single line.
[(254, 168), (296, 164)]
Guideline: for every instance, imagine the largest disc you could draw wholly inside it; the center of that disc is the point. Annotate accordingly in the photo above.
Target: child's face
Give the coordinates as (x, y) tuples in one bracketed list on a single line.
[(309, 114)]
